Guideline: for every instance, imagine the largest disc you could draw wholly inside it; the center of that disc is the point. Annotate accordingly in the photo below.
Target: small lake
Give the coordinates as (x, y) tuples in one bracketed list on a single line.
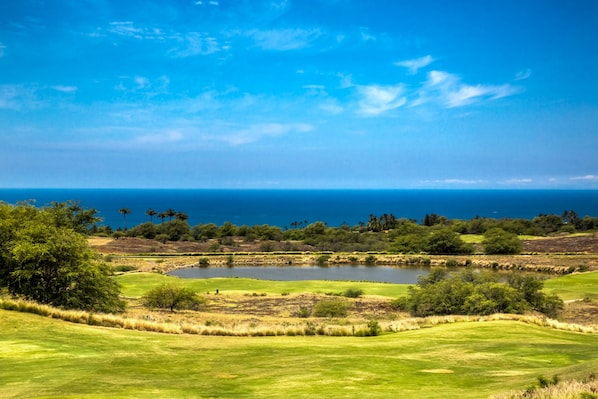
[(383, 274)]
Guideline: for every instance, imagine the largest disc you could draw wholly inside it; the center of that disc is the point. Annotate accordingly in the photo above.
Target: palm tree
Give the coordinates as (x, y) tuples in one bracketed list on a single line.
[(182, 216), (151, 213), (162, 216), (125, 212), (170, 213)]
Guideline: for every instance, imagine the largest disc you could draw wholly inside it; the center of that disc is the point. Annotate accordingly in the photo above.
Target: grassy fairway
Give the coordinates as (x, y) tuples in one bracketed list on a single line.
[(41, 357), (137, 284), (575, 286)]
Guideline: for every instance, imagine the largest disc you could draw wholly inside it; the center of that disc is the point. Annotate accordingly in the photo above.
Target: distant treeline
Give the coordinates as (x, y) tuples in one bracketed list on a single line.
[(433, 234)]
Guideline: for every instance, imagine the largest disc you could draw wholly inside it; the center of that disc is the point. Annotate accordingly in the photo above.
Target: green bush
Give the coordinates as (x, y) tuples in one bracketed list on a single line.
[(353, 293), (497, 241), (170, 296), (331, 308)]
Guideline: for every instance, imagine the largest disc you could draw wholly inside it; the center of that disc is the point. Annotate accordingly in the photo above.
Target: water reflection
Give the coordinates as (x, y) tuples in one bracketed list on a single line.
[(384, 274)]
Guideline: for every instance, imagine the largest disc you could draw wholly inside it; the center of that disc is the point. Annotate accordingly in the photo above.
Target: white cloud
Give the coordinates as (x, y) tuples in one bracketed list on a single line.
[(586, 178), (524, 74), (182, 44), (2, 47), (457, 181), (171, 136), (19, 97), (284, 39), (519, 181), (448, 90), (377, 99), (256, 132), (65, 89), (415, 64)]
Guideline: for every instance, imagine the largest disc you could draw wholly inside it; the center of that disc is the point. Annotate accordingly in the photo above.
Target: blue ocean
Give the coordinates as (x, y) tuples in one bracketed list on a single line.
[(334, 207)]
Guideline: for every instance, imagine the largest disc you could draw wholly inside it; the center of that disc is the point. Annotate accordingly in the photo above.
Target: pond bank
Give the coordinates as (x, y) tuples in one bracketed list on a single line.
[(552, 264)]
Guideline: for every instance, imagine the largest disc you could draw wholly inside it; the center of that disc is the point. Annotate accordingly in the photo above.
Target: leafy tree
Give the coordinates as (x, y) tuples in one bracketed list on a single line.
[(52, 264), (331, 308), (70, 214), (146, 230), (170, 296), (446, 241), (498, 241), (409, 243), (204, 232), (476, 293), (174, 229)]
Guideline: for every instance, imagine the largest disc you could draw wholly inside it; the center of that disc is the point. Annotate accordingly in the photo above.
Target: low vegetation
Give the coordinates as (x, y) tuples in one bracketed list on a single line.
[(471, 293)]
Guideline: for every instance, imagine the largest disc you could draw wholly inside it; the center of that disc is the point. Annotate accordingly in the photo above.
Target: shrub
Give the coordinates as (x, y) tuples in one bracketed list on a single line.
[(204, 262), (353, 293), (331, 308), (498, 241), (370, 260), (170, 296)]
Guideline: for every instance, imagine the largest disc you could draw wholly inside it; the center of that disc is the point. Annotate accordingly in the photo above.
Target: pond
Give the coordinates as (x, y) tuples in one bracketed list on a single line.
[(383, 274)]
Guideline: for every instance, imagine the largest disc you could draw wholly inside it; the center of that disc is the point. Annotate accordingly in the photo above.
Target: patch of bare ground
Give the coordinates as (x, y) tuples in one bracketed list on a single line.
[(586, 244), (583, 312), (238, 313)]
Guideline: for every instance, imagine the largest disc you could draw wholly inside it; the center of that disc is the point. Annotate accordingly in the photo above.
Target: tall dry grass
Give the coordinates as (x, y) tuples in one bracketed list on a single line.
[(573, 389), (294, 327)]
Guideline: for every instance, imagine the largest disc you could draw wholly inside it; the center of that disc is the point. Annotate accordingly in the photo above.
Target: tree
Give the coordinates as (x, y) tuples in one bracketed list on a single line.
[(498, 241), (52, 264), (162, 216), (170, 213), (72, 215), (170, 296), (151, 213), (125, 212), (446, 241), (182, 216)]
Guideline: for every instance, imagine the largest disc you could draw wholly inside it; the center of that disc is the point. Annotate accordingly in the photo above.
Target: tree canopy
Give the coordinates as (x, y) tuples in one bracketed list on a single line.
[(43, 257)]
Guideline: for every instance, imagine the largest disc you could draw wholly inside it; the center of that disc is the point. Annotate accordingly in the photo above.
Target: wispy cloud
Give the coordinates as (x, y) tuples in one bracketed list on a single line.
[(586, 178), (181, 44), (518, 181), (19, 97), (284, 39), (65, 89), (415, 64), (2, 47), (457, 181), (448, 90), (377, 99), (166, 137), (238, 136), (524, 74)]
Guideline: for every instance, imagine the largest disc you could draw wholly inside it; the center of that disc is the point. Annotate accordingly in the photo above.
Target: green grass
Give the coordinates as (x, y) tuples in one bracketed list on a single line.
[(137, 284), (574, 286), (42, 357)]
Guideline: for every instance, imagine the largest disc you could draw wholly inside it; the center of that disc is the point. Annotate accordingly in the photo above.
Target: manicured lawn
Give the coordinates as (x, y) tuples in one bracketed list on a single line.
[(41, 357), (574, 286), (137, 284)]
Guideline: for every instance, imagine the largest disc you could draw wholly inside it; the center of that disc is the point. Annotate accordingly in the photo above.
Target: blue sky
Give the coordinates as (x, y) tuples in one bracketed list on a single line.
[(299, 93)]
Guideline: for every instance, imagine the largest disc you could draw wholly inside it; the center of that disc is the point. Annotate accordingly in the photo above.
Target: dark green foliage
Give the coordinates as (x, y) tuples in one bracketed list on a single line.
[(498, 241), (476, 294), (446, 241), (370, 260), (170, 296), (45, 261), (353, 293), (331, 308)]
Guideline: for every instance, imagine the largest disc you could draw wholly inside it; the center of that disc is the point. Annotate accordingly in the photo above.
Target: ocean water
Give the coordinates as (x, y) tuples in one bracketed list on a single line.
[(334, 207)]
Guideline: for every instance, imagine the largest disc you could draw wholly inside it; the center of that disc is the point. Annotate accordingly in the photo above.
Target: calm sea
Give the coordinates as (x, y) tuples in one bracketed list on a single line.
[(334, 207)]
